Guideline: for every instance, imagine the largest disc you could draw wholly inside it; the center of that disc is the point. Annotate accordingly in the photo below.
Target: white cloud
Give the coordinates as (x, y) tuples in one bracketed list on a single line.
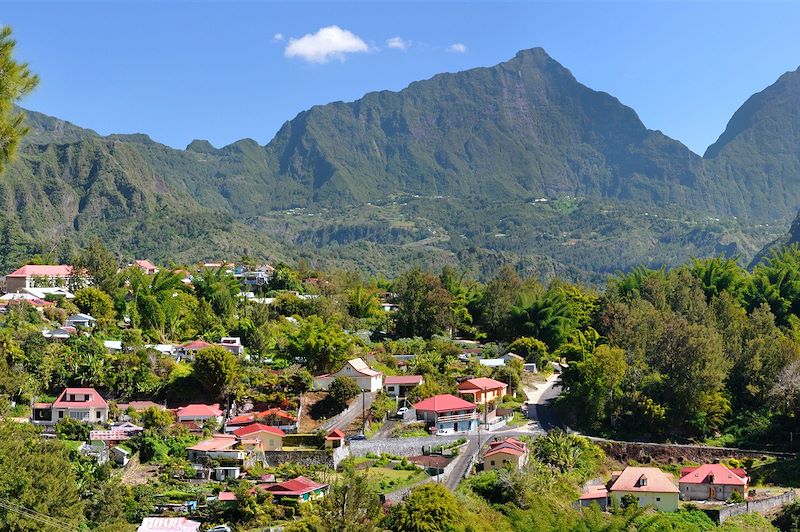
[(278, 37), (398, 43), (331, 42), (457, 48)]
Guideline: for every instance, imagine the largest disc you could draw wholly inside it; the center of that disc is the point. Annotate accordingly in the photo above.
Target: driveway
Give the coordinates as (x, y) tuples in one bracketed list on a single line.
[(344, 419), (539, 405)]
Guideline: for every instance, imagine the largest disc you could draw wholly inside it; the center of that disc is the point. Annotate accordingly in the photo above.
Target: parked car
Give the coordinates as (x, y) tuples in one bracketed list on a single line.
[(220, 528), (445, 432), (402, 411), (356, 437)]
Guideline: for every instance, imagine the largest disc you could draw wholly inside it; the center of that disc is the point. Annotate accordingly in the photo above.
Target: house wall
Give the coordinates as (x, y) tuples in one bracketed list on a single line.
[(702, 492), (269, 441), (366, 383), (87, 415), (499, 461), (666, 502)]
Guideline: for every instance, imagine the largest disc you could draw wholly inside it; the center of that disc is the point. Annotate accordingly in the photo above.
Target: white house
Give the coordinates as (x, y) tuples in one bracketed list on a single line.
[(80, 320), (367, 378)]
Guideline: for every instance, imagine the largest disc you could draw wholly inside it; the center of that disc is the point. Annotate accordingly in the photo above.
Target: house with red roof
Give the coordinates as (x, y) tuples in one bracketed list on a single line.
[(334, 439), (367, 378), (82, 404), (447, 412), (482, 390), (597, 494), (224, 456), (274, 417), (649, 485), (712, 482), (41, 275), (199, 413), (507, 453), (269, 438), (400, 385), (146, 266), (189, 350), (300, 489)]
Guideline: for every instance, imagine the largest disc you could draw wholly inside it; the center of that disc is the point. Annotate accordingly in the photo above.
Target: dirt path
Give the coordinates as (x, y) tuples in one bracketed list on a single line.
[(136, 473)]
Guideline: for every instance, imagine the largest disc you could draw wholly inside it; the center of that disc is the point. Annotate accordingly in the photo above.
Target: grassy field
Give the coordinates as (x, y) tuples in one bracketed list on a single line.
[(386, 479)]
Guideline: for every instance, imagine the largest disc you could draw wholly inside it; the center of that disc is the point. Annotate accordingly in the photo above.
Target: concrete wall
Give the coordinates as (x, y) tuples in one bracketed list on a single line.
[(400, 446), (761, 505)]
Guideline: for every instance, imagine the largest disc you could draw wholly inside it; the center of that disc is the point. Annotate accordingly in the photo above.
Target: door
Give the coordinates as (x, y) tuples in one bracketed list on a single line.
[(712, 492)]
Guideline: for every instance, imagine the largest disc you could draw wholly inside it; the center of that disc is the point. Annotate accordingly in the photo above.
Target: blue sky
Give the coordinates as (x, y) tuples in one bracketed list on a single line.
[(215, 70)]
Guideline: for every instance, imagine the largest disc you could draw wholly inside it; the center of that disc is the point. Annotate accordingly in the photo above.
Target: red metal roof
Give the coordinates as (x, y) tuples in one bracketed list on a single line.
[(258, 427), (224, 496), (296, 486), (252, 417), (198, 410), (443, 403), (196, 344), (218, 442), (335, 434), (594, 492), (721, 475), (405, 380), (644, 479), (45, 270), (481, 384), (146, 264), (95, 399)]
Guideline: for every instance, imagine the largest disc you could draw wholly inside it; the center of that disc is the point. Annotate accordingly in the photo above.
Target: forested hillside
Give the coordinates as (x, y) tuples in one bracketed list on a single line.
[(516, 163)]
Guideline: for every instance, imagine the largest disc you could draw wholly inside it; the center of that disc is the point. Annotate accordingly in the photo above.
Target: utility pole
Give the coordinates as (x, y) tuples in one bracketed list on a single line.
[(363, 412)]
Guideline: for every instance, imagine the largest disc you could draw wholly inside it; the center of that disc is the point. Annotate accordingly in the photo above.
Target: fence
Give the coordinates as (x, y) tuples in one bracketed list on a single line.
[(759, 505)]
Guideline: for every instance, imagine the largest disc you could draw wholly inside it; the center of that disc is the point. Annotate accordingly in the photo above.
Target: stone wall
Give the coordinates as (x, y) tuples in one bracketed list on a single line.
[(676, 453)]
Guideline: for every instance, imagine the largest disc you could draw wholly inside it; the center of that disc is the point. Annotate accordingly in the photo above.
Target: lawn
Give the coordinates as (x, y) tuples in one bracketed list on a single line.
[(386, 479)]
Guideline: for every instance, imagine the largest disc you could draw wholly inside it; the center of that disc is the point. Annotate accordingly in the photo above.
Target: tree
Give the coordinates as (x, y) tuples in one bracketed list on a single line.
[(94, 302), (717, 275), (37, 475), (342, 390), (548, 318), (72, 429), (217, 370), (593, 385), (322, 346), (16, 81), (531, 349), (424, 305), (96, 261), (351, 504), (362, 303), (429, 508), (285, 278), (219, 288), (497, 299)]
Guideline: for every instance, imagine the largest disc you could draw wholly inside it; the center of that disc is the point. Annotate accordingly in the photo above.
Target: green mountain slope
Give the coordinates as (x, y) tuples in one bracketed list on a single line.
[(525, 128), (758, 155), (515, 163)]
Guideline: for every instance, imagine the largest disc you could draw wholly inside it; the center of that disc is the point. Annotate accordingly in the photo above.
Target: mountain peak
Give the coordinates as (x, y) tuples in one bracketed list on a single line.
[(200, 146)]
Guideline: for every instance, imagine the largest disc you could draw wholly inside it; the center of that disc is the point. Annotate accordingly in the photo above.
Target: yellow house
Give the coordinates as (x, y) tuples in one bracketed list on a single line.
[(269, 438), (483, 389), (510, 453), (649, 485)]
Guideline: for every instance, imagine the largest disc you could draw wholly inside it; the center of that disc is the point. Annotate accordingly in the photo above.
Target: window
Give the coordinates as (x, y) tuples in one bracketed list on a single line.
[(492, 462), (658, 499), (60, 414), (97, 414)]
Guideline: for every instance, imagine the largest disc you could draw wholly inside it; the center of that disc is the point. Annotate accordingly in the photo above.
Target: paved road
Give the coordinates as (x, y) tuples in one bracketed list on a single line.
[(463, 461), (539, 406)]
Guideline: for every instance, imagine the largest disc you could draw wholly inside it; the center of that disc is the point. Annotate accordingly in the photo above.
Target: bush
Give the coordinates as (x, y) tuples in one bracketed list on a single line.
[(736, 498), (342, 390), (72, 429)]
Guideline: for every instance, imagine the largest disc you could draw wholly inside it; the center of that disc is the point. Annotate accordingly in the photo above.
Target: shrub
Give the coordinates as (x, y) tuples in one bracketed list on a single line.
[(342, 390)]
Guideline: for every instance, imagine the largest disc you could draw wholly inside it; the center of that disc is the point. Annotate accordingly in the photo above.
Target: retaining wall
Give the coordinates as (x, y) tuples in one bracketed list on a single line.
[(760, 505), (673, 452)]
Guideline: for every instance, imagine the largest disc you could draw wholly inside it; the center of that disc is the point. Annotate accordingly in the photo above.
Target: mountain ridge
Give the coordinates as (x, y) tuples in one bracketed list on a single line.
[(517, 132)]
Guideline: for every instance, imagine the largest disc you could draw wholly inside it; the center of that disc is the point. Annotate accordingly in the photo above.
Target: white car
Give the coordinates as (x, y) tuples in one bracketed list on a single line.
[(402, 411), (445, 432)]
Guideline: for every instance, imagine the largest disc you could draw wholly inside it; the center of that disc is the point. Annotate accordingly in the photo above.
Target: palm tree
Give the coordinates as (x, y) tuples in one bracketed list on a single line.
[(548, 318), (219, 288), (717, 275)]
